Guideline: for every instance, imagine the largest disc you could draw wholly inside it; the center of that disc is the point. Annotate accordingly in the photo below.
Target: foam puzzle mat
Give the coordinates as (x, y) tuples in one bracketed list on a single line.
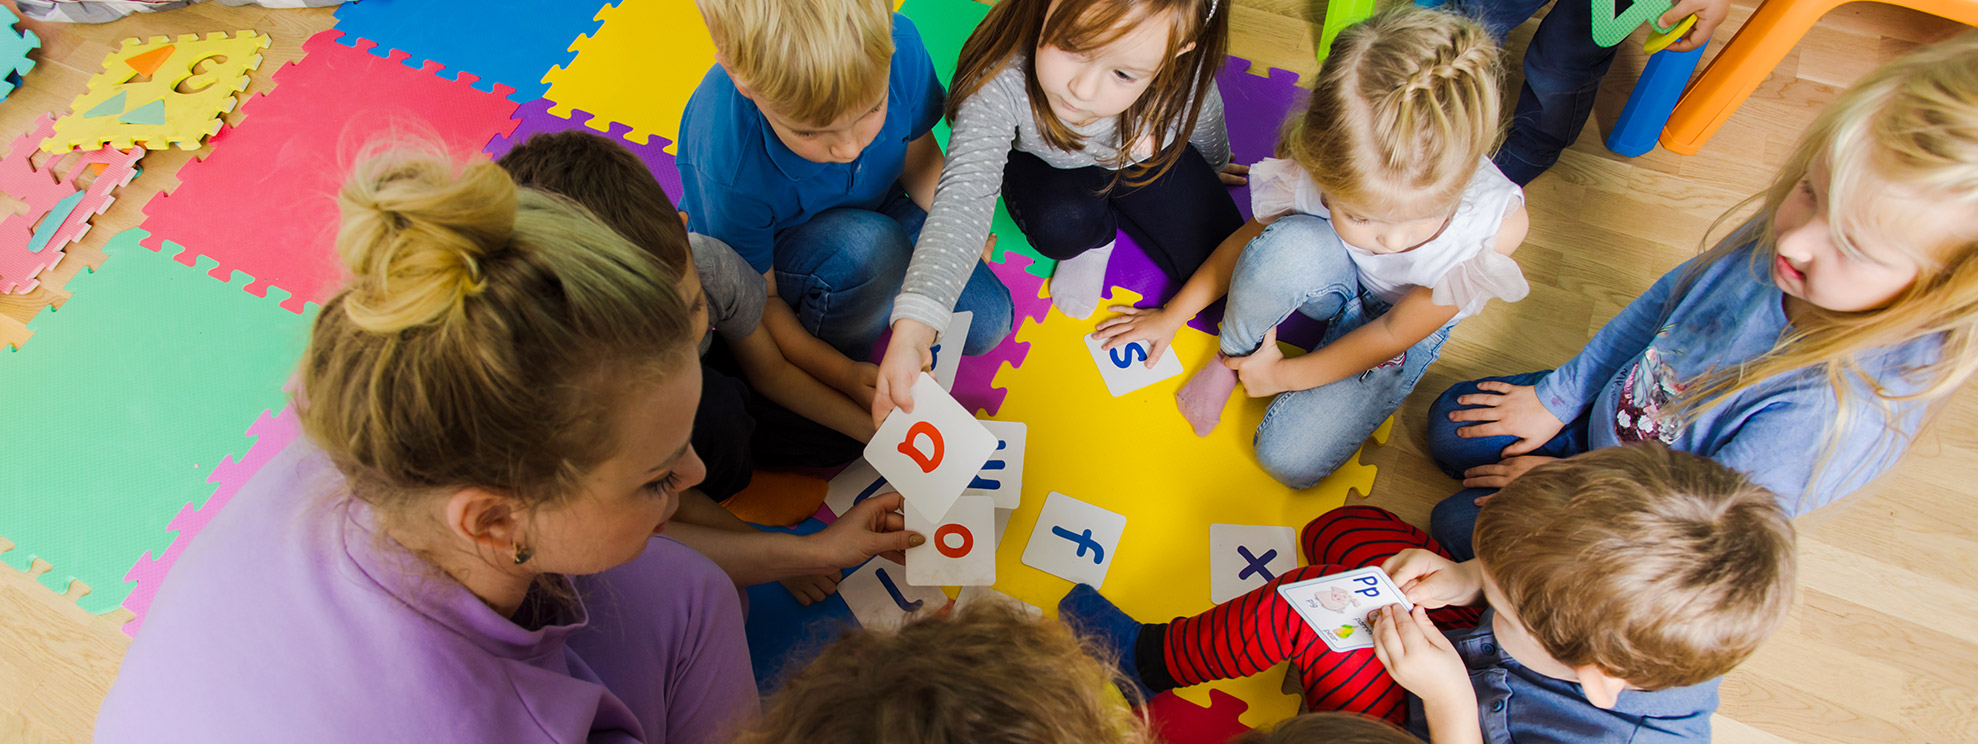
[(176, 364), (532, 37), (626, 55), (264, 201), (15, 43), (59, 204), (161, 92)]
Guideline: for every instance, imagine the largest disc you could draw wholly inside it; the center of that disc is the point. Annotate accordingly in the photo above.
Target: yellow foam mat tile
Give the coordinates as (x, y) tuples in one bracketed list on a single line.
[(1135, 455)]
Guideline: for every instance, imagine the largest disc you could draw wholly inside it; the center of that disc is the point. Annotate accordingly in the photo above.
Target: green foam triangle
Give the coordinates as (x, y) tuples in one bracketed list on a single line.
[(111, 107), (150, 113)]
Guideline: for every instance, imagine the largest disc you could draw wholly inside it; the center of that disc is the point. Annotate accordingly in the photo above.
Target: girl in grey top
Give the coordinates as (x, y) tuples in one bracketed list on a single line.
[(1087, 117)]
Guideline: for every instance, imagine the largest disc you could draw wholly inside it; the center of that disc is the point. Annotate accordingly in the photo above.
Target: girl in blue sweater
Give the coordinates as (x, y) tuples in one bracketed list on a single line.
[(1807, 348)]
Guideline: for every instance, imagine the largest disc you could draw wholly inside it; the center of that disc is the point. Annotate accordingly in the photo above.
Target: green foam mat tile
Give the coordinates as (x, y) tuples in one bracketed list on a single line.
[(128, 398)]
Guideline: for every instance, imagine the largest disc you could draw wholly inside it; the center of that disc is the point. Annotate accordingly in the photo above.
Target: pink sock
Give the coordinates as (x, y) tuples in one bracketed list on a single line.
[(1201, 400)]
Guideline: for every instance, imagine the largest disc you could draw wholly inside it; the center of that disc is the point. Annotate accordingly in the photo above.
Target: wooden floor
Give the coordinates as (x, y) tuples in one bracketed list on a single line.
[(1883, 641)]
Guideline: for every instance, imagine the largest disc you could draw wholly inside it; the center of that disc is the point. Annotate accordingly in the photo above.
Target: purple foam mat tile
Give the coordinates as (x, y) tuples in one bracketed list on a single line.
[(534, 117), (1254, 108)]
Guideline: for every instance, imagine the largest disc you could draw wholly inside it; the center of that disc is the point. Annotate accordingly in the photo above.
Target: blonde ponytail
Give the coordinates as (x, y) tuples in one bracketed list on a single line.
[(486, 335), (1403, 108)]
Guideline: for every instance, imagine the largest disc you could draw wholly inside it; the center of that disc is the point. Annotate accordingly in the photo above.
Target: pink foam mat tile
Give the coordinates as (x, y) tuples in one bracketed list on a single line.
[(264, 202), (273, 432), (51, 187)]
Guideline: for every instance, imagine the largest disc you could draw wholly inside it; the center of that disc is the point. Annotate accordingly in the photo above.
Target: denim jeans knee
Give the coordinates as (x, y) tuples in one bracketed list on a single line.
[(840, 272), (1454, 519), (1454, 453), (1298, 264)]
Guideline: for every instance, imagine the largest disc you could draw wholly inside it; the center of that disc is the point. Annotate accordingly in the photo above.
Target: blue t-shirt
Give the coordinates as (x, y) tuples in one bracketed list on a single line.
[(743, 186), (1729, 313), (1516, 704)]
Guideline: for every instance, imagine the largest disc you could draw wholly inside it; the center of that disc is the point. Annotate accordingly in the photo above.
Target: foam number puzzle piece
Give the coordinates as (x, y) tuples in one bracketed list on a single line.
[(948, 356), (1124, 367), (59, 205), (1074, 540), (1002, 476), (881, 598), (857, 482), (660, 48), (534, 118), (277, 177), (15, 43), (1611, 25), (960, 548), (1243, 557), (1169, 483), (160, 93), (272, 434), (970, 595), (177, 364), (533, 37), (932, 454)]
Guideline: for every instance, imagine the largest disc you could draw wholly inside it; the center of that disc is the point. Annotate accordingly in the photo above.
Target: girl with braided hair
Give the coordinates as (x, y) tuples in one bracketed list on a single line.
[(1383, 217)]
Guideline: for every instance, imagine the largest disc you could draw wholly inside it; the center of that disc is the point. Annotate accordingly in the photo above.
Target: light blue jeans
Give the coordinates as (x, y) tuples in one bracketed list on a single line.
[(1299, 265)]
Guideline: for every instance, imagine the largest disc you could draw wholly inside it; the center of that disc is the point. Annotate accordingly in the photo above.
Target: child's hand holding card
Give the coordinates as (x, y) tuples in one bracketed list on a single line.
[(1339, 607)]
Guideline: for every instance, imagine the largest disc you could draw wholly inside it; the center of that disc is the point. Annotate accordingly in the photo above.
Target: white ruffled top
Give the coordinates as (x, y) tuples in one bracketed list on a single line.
[(1461, 265)]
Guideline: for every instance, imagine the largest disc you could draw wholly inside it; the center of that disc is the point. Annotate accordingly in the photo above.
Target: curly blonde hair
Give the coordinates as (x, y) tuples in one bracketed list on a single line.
[(988, 674), (485, 337), (1403, 109)]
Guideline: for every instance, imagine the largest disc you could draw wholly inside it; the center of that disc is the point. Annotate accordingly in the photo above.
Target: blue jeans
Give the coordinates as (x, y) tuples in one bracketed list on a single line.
[(1563, 68), (1299, 264), (1456, 517), (841, 270)]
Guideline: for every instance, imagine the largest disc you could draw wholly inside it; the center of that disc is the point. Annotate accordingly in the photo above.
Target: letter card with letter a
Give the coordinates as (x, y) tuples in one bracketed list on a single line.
[(932, 454)]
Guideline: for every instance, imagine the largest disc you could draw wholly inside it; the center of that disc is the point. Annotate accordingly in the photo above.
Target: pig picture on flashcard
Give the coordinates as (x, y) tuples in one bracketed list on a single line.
[(933, 453), (1124, 367), (1002, 475), (1340, 606), (960, 548), (880, 597)]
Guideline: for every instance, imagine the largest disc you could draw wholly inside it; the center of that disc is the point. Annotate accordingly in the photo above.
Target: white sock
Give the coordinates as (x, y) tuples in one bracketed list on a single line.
[(1076, 285)]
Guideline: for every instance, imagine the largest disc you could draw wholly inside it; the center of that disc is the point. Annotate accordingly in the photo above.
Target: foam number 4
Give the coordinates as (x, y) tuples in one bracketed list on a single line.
[(953, 555), (1611, 27), (933, 453)]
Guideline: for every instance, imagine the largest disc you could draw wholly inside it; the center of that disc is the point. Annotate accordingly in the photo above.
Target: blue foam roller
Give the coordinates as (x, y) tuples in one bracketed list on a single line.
[(1653, 98)]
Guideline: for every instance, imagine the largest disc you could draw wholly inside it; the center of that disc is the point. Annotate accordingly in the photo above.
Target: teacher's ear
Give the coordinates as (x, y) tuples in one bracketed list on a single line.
[(489, 521)]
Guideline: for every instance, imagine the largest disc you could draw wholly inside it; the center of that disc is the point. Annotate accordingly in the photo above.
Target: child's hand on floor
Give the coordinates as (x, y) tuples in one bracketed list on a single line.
[(1420, 657), (812, 589), (1260, 372), (872, 527), (1507, 410), (1433, 581), (1501, 474), (1154, 325)]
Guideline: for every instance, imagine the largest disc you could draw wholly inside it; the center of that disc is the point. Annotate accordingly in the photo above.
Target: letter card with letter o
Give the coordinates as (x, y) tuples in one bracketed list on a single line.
[(960, 548)]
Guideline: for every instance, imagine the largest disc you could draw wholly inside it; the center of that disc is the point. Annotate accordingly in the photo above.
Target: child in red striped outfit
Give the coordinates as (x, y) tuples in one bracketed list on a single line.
[(1607, 597)]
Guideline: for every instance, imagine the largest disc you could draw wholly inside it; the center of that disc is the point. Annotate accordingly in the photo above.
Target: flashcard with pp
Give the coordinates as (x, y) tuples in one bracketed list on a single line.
[(1124, 367), (881, 598), (1074, 540), (960, 548), (947, 350), (856, 483), (932, 454), (1339, 606), (1002, 476)]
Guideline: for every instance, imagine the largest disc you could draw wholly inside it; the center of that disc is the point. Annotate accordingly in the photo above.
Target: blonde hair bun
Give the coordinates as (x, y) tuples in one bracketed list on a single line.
[(416, 234)]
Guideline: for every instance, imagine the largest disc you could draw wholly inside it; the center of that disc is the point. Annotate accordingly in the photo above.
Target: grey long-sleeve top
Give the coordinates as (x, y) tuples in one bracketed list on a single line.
[(987, 126)]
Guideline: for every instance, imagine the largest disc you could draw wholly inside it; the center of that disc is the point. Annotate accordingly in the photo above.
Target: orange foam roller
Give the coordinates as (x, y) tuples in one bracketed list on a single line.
[(1737, 70)]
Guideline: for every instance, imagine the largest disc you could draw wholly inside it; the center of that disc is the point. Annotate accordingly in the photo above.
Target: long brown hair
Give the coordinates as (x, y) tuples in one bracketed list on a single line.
[(1015, 28)]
